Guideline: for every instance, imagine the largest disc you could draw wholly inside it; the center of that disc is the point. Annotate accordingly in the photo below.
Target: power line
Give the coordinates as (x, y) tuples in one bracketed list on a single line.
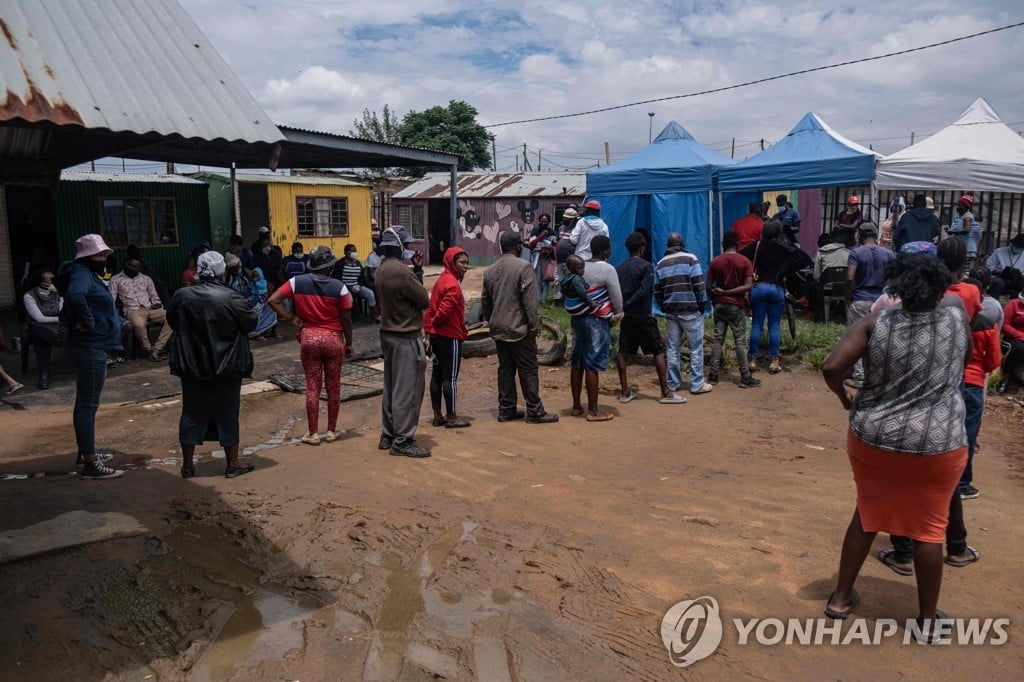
[(763, 80)]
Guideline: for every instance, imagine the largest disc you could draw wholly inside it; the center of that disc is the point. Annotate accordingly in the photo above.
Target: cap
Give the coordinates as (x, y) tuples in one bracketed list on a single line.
[(321, 258), (966, 201), (594, 204), (231, 260), (210, 264), (510, 238), (868, 228), (263, 230), (635, 240), (929, 203), (1018, 241), (91, 245), (396, 235), (570, 213), (853, 200)]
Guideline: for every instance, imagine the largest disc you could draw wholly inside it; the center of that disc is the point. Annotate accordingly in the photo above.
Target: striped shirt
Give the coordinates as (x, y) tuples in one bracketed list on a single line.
[(679, 283), (351, 273), (603, 288)]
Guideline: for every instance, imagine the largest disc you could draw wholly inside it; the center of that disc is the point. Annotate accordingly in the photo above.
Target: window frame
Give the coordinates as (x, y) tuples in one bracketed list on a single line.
[(343, 232), (150, 200), (419, 234)]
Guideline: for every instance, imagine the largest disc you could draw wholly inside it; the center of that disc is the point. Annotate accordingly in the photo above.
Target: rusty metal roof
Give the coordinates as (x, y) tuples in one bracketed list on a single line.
[(141, 67), (267, 178), (495, 185), (89, 176)]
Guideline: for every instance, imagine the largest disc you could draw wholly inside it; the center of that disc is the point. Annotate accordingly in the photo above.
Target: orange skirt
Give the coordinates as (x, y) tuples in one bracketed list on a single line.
[(904, 494)]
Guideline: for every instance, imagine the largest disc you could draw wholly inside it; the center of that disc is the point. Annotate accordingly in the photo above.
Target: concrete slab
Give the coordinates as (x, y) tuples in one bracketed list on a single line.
[(70, 529)]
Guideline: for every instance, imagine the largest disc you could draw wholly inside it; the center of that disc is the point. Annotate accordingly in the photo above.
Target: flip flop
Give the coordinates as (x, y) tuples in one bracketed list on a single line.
[(930, 637), (885, 557), (629, 397), (842, 615), (675, 399), (975, 555), (235, 472), (600, 418), (15, 387)]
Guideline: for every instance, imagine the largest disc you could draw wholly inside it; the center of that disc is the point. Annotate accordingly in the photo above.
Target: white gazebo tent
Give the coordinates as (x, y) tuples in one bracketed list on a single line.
[(977, 152)]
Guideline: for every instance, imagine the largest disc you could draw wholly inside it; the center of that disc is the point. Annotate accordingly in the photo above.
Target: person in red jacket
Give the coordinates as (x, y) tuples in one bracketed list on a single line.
[(1013, 335), (445, 322)]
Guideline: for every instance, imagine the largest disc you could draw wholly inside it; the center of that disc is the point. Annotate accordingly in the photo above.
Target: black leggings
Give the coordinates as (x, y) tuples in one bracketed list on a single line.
[(1014, 359), (444, 373)]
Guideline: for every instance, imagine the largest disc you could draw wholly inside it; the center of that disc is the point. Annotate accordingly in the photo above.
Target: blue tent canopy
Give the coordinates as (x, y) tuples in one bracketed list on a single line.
[(811, 155), (665, 187), (674, 162)]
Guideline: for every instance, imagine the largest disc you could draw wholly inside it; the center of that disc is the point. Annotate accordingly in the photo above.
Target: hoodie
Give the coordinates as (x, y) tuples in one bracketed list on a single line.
[(89, 310), (446, 315), (588, 227), (916, 225)]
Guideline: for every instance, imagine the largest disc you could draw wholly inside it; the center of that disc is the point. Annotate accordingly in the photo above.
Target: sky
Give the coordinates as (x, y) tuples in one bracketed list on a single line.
[(318, 63)]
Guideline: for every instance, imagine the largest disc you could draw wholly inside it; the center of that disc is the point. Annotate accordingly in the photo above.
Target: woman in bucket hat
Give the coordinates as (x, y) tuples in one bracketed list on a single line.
[(323, 312), (92, 329)]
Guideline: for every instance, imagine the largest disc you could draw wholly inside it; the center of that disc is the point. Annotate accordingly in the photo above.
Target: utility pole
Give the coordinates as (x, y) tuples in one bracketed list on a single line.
[(607, 154), (526, 160), (911, 138), (732, 154), (494, 153), (92, 166), (122, 165), (650, 126), (762, 144), (170, 168), (538, 159)]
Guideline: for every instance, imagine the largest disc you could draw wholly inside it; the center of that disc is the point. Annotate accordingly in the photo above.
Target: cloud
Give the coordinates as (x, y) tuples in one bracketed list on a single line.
[(318, 63)]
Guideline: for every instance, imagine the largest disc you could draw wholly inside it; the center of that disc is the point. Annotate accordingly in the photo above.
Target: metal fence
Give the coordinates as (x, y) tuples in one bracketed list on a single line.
[(1001, 213)]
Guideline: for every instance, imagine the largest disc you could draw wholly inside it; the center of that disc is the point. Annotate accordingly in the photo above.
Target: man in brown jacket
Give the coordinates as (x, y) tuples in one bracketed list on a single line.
[(509, 302), (402, 300)]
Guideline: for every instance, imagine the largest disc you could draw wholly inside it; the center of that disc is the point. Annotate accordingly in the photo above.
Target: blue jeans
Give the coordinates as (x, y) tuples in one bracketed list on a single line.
[(974, 401), (691, 324), (770, 300), (91, 369)]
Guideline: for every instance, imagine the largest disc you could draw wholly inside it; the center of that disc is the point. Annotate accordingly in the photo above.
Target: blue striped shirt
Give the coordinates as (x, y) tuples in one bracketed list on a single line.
[(679, 283)]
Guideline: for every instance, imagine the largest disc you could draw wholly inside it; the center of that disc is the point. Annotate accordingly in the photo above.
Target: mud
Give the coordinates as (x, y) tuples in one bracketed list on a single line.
[(517, 552)]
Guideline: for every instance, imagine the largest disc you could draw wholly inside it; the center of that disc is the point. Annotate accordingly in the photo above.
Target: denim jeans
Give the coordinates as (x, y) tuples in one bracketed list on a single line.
[(729, 316), (691, 324), (766, 300), (974, 401), (91, 367)]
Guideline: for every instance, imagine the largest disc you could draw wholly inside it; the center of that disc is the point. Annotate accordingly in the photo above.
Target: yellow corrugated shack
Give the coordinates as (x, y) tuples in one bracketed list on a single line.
[(314, 210)]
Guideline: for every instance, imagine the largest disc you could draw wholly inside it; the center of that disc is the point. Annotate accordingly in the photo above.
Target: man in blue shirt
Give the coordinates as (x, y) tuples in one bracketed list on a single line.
[(788, 216), (865, 277)]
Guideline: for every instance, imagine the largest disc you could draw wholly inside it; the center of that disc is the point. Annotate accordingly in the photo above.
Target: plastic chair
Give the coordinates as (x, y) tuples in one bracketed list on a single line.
[(833, 288)]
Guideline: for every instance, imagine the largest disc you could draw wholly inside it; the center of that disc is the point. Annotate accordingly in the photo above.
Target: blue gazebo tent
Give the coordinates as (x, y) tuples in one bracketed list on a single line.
[(666, 187)]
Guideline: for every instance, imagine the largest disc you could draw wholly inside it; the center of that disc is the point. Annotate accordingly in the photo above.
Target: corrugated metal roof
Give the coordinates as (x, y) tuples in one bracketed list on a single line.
[(86, 176), (285, 179), (451, 157), (141, 67), (493, 185)]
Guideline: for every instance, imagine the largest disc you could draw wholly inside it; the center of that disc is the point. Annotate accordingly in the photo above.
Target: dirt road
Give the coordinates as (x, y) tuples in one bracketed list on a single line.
[(517, 552)]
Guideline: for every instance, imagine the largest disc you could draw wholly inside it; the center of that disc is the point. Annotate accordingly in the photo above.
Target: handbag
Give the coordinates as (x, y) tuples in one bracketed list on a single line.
[(547, 270)]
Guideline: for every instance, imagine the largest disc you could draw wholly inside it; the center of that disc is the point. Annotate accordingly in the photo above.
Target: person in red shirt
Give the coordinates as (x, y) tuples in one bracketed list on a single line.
[(445, 322), (323, 312), (748, 228), (730, 277), (1013, 334)]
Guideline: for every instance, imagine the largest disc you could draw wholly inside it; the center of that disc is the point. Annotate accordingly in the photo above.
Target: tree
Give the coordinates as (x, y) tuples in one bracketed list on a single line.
[(451, 129), (383, 128)]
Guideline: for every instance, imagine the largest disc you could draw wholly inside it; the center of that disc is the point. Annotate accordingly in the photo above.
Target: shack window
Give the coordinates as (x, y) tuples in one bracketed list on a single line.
[(412, 218), (322, 216), (143, 221)]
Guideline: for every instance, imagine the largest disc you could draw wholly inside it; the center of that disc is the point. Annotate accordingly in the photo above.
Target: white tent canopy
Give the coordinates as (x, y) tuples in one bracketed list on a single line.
[(977, 152)]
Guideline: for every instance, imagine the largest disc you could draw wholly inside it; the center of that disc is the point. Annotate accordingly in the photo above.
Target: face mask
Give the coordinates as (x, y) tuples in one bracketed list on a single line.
[(407, 254), (97, 266), (1015, 249), (46, 288), (354, 255), (297, 254), (130, 272), (266, 250)]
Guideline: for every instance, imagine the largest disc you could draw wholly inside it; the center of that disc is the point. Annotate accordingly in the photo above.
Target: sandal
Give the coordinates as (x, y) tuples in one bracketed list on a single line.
[(311, 439), (630, 396), (235, 472), (975, 555), (332, 436), (438, 421), (938, 633), (886, 556), (15, 387), (188, 472), (844, 614)]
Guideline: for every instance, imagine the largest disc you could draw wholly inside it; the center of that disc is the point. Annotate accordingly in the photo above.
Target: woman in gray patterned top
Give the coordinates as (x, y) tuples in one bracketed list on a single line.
[(906, 443)]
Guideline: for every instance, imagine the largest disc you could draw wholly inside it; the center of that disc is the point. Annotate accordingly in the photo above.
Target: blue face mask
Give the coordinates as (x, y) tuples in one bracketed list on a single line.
[(407, 254), (1015, 249)]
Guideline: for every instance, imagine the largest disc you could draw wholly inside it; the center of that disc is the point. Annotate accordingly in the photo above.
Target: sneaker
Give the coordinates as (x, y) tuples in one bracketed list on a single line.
[(332, 436), (101, 458), (512, 416), (546, 418), (704, 388), (969, 492), (409, 449), (385, 442), (750, 382), (96, 470), (713, 378), (311, 439)]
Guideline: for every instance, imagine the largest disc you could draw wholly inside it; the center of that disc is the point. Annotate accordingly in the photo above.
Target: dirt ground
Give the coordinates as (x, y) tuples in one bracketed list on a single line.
[(517, 552)]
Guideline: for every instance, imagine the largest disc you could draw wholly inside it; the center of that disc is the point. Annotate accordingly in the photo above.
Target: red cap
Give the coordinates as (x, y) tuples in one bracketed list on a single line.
[(966, 201), (594, 204), (853, 200)]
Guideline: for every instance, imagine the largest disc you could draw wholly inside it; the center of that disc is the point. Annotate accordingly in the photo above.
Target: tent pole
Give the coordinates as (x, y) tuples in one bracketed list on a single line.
[(711, 226), (721, 217), (875, 208)]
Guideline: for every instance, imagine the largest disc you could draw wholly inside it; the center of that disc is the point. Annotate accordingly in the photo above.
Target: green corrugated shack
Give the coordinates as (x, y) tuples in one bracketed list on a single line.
[(166, 216)]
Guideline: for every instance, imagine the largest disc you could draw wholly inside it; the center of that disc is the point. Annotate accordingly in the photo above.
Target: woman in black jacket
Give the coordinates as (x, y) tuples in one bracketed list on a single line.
[(210, 353)]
